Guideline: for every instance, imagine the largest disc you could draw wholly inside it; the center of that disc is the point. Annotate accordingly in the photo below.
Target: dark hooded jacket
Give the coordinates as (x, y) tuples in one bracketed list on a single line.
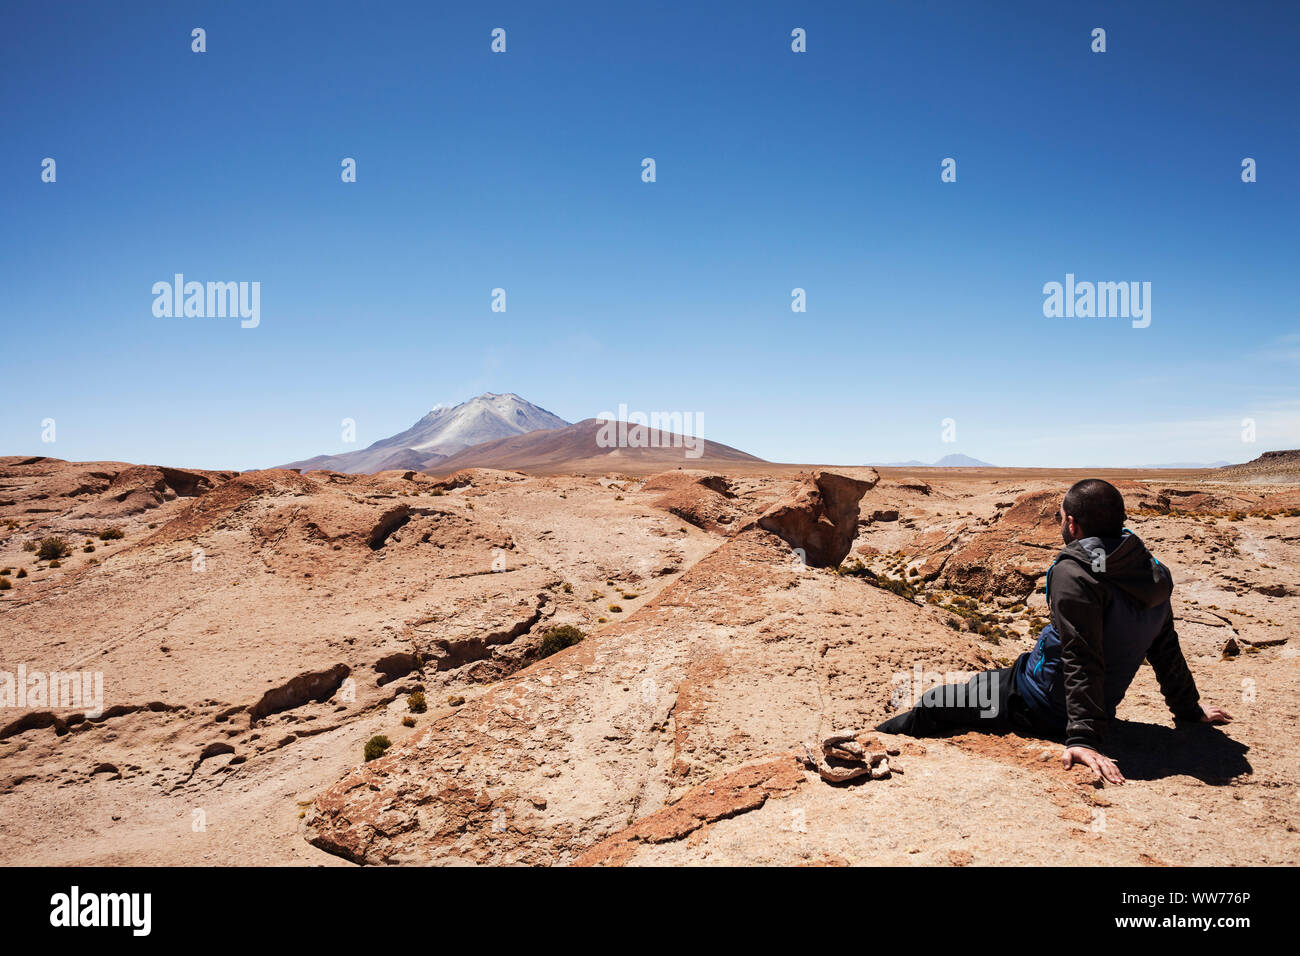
[(1109, 601)]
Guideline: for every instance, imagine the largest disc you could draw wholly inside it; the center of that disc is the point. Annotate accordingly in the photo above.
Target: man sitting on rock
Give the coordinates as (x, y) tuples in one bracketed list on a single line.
[(1109, 603)]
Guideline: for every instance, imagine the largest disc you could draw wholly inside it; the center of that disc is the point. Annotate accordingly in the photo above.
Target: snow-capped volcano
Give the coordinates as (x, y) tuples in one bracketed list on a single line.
[(441, 433)]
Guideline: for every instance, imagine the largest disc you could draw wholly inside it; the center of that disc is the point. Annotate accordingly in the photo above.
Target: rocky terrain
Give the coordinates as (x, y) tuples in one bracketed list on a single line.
[(254, 631)]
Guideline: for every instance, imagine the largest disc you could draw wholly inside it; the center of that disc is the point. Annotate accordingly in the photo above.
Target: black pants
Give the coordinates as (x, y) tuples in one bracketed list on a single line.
[(988, 701)]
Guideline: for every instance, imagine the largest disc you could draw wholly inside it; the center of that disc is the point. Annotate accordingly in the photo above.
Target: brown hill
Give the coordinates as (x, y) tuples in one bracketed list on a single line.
[(1270, 467), (583, 447)]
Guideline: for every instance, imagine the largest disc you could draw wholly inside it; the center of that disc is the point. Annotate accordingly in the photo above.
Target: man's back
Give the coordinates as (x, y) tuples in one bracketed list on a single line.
[(1109, 601)]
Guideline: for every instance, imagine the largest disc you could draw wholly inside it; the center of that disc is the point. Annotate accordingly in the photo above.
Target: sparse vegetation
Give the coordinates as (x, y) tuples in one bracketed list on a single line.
[(415, 702), (29, 545), (616, 609), (855, 569), (111, 534), (558, 638), (22, 573), (408, 721), (5, 584), (56, 564), (897, 585), (376, 746), (455, 700), (52, 548)]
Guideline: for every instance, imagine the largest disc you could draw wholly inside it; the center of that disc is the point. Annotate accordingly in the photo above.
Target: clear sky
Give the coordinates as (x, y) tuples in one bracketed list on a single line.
[(775, 170)]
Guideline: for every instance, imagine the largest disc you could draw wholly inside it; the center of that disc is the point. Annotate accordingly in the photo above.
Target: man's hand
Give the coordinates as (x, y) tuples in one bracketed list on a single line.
[(1103, 766), (1215, 715)]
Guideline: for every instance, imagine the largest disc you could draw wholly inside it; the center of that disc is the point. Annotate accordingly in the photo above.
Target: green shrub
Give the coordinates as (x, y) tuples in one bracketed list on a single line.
[(854, 568), (111, 534), (897, 585), (415, 702), (558, 638), (376, 746), (52, 548)]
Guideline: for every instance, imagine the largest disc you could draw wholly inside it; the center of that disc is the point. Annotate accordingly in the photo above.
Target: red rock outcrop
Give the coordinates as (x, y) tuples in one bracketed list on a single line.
[(820, 518)]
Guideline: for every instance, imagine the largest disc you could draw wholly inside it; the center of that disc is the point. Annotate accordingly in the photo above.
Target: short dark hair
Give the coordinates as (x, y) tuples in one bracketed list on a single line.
[(1097, 506)]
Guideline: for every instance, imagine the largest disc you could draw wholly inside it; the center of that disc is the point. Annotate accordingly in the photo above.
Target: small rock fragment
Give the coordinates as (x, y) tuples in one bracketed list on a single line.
[(839, 774), (851, 750)]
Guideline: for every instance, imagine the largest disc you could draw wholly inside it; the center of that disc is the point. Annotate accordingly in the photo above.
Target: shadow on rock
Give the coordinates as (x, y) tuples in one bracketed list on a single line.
[(1151, 752)]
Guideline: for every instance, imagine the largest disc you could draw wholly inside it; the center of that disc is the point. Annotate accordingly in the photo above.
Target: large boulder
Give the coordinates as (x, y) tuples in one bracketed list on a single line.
[(820, 517)]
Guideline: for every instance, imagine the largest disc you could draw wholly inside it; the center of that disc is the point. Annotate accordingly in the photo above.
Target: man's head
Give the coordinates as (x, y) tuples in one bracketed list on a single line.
[(1092, 507)]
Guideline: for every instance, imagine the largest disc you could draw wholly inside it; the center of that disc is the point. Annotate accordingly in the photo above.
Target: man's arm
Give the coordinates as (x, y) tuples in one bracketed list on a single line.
[(1077, 613), (1173, 674)]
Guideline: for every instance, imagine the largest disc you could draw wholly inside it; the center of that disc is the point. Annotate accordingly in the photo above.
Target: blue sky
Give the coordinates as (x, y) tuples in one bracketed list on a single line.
[(775, 170)]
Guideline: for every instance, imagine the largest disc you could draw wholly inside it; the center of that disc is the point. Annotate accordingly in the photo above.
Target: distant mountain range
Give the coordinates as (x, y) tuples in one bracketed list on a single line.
[(1189, 464), (947, 461), (505, 431), (440, 434)]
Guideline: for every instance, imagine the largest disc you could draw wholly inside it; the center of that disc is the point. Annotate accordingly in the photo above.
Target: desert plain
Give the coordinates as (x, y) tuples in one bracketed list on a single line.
[(254, 630)]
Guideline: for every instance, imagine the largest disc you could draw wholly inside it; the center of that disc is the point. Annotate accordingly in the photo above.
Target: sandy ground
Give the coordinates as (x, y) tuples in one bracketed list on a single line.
[(252, 632)]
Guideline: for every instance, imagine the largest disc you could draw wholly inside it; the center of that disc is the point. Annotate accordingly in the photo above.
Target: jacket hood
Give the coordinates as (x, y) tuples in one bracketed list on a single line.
[(1124, 563)]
